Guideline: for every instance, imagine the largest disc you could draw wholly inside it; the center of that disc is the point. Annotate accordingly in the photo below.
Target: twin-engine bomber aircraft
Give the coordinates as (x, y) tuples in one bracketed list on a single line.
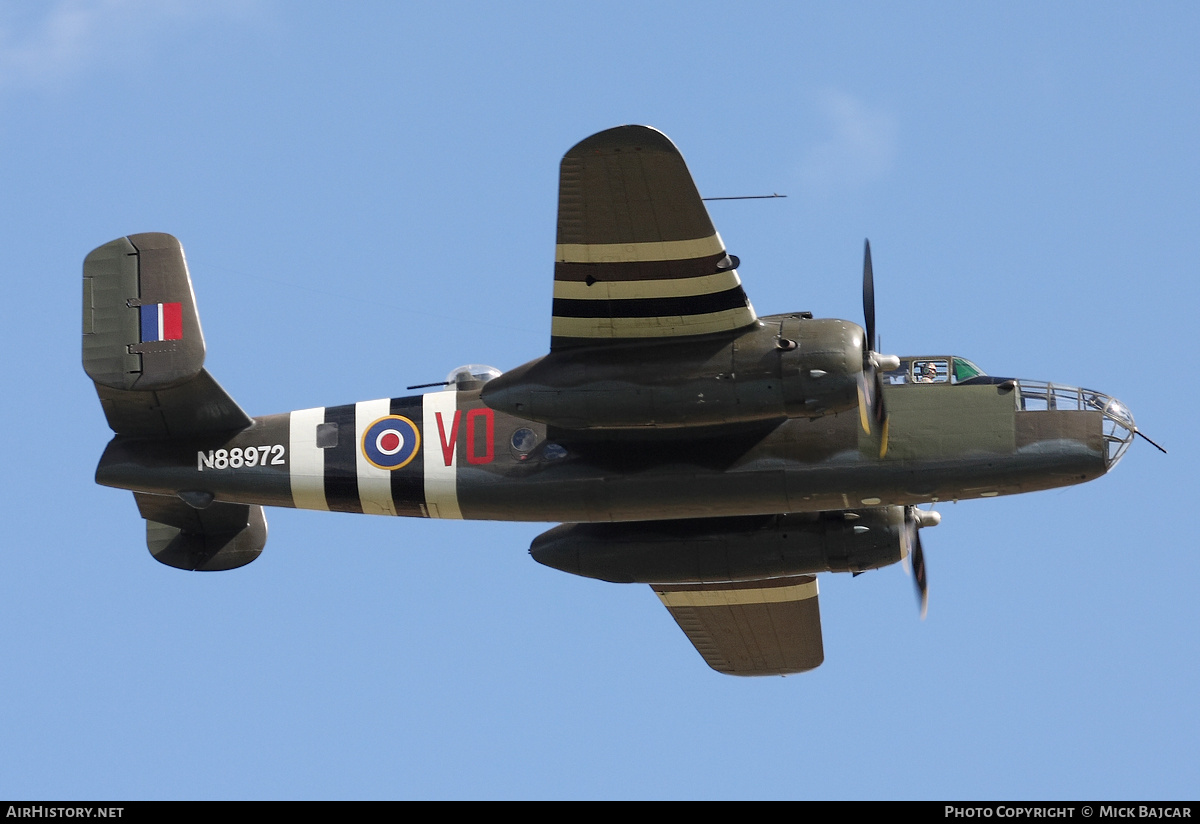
[(682, 440)]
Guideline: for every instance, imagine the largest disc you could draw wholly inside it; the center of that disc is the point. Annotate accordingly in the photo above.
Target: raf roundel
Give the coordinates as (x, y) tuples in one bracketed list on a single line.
[(391, 442)]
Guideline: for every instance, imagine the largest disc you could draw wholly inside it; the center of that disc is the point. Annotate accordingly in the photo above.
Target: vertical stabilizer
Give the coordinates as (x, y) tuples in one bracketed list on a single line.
[(141, 330), (142, 343)]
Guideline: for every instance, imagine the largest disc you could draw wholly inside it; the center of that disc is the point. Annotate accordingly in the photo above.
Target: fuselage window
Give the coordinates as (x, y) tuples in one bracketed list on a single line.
[(523, 442), (327, 435)]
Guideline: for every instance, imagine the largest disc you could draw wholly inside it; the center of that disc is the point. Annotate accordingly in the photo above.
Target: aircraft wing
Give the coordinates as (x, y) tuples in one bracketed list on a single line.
[(637, 256), (765, 627)]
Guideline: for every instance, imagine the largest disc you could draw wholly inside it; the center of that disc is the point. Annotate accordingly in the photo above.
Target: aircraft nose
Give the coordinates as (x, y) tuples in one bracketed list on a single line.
[(1117, 425), (1119, 428)]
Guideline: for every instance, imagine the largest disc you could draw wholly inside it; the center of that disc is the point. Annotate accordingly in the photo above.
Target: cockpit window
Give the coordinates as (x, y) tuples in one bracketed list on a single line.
[(965, 370), (930, 370), (896, 377)]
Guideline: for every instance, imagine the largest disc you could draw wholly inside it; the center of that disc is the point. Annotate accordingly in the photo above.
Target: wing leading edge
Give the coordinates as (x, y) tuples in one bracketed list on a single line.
[(764, 627), (637, 256)]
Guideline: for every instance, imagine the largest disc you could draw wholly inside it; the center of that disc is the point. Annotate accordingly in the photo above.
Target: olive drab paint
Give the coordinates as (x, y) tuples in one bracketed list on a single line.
[(679, 438)]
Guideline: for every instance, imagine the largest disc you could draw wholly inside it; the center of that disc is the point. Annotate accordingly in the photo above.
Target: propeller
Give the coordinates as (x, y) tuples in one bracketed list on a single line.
[(871, 410), (914, 521)]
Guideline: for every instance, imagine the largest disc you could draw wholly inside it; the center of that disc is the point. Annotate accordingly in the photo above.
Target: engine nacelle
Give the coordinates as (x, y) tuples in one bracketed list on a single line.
[(786, 366), (712, 550)]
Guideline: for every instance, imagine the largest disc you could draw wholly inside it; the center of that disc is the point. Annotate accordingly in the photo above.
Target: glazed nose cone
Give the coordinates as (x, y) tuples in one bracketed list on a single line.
[(1119, 429)]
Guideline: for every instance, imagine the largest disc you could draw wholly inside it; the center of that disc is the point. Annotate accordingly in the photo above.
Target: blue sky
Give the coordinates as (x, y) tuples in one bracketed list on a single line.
[(367, 192)]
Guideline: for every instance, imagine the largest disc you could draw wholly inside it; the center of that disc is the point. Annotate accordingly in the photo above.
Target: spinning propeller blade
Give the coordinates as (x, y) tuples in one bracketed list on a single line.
[(872, 412), (919, 577), (868, 295), (914, 520)]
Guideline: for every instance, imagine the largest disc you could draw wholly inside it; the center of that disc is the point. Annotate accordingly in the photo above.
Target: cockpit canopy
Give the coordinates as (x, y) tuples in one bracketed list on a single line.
[(933, 369)]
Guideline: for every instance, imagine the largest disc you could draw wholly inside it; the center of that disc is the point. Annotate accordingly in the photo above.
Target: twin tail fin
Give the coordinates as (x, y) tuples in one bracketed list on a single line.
[(144, 350), (142, 343)]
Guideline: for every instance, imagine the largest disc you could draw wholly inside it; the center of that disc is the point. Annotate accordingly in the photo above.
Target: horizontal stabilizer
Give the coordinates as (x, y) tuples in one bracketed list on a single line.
[(196, 407), (219, 536), (766, 627)]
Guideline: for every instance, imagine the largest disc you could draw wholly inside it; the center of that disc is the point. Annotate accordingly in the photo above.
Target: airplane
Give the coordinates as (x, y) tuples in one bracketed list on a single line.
[(679, 439)]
